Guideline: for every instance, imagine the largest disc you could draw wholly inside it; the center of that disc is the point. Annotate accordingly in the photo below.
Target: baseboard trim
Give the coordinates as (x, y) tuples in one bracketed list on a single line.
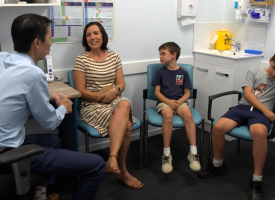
[(106, 143), (128, 68)]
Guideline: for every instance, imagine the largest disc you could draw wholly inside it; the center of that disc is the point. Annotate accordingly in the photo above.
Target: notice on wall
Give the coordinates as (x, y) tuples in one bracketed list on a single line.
[(67, 20), (101, 12)]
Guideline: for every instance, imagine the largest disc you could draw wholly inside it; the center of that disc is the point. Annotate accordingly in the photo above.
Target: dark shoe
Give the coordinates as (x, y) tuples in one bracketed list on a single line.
[(212, 171), (255, 190)]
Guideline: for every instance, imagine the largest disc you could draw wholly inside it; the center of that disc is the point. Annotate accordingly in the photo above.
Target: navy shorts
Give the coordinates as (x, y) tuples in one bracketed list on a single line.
[(243, 115)]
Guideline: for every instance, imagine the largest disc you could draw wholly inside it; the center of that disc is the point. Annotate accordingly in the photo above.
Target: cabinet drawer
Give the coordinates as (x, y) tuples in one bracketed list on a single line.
[(202, 82), (214, 60), (222, 81)]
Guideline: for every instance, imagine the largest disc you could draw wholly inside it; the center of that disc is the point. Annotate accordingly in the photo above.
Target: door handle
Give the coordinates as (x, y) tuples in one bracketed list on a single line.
[(222, 74), (202, 69)]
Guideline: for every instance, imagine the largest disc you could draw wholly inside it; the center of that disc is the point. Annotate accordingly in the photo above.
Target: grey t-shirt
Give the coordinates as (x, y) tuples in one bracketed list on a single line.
[(263, 87)]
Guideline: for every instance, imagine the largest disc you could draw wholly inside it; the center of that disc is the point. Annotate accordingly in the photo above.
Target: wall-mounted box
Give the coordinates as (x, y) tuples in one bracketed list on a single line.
[(261, 2), (258, 15)]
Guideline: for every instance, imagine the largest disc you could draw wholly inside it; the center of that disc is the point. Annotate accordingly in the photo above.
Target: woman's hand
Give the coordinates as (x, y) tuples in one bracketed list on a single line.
[(108, 96)]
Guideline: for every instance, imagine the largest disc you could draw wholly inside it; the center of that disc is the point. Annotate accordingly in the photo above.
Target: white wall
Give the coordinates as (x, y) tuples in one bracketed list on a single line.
[(210, 10)]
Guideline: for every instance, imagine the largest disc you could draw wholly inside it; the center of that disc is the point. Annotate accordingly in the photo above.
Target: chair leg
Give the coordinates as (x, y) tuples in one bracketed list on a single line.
[(210, 146), (87, 142), (238, 145), (201, 142), (146, 141), (141, 145)]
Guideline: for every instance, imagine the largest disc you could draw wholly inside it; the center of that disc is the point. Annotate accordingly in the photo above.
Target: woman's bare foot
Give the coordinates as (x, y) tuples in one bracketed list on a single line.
[(112, 164), (128, 179)]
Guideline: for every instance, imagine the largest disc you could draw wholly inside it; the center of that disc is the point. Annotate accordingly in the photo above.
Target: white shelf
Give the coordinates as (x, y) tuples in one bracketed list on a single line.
[(50, 3)]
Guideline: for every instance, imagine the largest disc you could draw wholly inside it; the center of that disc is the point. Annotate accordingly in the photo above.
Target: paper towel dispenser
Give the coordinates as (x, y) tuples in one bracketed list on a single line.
[(187, 8), (187, 11)]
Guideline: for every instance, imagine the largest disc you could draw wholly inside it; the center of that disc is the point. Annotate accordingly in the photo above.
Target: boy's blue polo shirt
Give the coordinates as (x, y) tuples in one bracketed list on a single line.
[(172, 83)]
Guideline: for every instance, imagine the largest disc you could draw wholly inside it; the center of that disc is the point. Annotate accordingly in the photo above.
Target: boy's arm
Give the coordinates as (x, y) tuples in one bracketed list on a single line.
[(185, 97), (252, 99), (171, 103)]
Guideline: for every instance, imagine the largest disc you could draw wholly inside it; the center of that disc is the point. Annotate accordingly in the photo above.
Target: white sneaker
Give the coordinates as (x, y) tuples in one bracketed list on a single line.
[(167, 164), (194, 162)]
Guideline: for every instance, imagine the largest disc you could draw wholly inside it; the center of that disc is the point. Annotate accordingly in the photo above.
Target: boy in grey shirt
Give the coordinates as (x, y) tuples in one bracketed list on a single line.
[(255, 110)]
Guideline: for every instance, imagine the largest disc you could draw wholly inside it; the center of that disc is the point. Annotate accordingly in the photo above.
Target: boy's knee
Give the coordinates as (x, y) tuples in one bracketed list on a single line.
[(168, 116), (188, 116), (260, 135), (217, 129)]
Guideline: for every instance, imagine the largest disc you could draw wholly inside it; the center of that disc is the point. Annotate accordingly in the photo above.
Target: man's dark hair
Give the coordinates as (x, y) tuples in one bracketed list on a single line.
[(26, 28), (104, 36), (171, 47)]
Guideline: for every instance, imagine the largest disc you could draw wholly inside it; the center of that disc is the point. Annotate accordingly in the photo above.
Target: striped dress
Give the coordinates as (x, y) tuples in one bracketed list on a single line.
[(98, 75)]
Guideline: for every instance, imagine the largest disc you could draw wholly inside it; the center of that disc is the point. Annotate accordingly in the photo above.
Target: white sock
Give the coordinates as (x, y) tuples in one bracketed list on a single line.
[(40, 193), (257, 178), (217, 163), (166, 151), (193, 150)]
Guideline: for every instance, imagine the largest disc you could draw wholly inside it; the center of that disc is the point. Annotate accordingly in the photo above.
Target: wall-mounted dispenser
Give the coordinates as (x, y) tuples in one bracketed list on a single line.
[(187, 11)]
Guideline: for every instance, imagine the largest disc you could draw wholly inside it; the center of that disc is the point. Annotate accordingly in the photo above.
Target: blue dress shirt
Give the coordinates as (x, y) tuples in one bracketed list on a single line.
[(23, 91)]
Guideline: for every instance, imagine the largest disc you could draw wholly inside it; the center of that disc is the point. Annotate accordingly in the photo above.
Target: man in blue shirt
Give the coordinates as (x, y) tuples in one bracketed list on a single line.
[(24, 91)]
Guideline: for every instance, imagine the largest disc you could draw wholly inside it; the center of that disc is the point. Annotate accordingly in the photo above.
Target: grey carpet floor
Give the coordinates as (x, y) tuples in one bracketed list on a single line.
[(182, 182)]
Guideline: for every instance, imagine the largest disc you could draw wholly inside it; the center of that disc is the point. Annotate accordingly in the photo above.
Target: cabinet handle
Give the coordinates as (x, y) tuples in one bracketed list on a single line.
[(222, 74), (202, 69)]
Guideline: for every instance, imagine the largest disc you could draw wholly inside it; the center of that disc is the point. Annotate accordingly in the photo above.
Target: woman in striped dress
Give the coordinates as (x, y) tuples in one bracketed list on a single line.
[(107, 112)]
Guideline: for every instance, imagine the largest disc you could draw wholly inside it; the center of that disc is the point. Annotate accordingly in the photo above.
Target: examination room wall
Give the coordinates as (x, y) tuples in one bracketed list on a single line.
[(140, 27)]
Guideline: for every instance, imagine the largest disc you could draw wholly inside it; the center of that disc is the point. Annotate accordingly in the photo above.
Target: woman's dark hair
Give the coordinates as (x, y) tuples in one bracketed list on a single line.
[(104, 36), (26, 28), (273, 58)]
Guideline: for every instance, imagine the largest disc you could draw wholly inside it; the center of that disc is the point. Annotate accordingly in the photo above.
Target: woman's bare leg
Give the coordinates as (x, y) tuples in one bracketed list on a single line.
[(125, 176), (117, 129)]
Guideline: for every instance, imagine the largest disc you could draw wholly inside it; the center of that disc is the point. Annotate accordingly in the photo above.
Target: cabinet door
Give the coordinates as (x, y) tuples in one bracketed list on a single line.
[(202, 82), (222, 81)]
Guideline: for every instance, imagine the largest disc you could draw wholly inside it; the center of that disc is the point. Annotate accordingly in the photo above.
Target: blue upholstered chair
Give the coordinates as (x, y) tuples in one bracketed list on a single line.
[(89, 131), (154, 118), (241, 132)]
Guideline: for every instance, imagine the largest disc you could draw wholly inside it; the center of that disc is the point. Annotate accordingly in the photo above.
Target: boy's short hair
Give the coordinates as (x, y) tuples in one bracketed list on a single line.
[(273, 58), (26, 28), (171, 47)]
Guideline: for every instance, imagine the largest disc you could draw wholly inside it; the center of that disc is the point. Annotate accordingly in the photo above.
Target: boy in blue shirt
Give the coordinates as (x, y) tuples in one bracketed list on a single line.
[(172, 88)]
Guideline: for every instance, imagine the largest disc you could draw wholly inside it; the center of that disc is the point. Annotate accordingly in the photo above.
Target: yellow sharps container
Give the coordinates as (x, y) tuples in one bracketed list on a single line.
[(222, 43)]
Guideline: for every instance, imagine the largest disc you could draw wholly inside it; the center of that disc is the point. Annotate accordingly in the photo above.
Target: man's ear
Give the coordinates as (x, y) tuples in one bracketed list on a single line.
[(36, 43)]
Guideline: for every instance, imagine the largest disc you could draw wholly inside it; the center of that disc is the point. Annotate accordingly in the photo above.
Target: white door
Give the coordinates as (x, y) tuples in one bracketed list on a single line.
[(202, 82)]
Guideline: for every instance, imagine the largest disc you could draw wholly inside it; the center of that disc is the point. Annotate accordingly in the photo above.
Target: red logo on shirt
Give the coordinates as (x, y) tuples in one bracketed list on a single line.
[(179, 79)]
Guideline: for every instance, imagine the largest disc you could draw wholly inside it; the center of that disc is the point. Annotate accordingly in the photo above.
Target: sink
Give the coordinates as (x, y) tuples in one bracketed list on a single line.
[(228, 53)]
